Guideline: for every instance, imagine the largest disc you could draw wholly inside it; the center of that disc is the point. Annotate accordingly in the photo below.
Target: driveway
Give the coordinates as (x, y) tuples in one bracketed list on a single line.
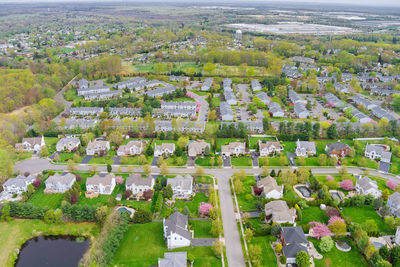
[(155, 161), (86, 159), (203, 242), (203, 112), (191, 162), (117, 160), (291, 157), (252, 214), (254, 159), (54, 155), (227, 162)]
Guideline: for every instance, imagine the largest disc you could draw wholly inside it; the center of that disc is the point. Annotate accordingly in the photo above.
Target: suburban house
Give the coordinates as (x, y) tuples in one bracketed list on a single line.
[(263, 97), (59, 183), (305, 148), (93, 90), (269, 147), (160, 91), (227, 85), (366, 186), (83, 83), (133, 112), (165, 149), (293, 241), (73, 123), (381, 113), (378, 151), (255, 85), (394, 204), (226, 111), (206, 84), (270, 188), (337, 149), (197, 148), (276, 110), (138, 185), (97, 146), (102, 183), (135, 147), (230, 98), (279, 212), (173, 259), (85, 111), (360, 100), (361, 117), (68, 144), (103, 95), (33, 144), (295, 98), (176, 232), (18, 184), (333, 101), (233, 148), (301, 111), (182, 186)]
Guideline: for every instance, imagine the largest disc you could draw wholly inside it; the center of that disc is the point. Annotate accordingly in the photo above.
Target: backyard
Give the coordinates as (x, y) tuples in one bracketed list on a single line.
[(364, 213)]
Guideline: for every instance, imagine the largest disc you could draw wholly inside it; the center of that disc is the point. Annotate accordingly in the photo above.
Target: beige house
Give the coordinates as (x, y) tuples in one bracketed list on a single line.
[(278, 211), (165, 149), (269, 147), (197, 148), (135, 147), (97, 146), (234, 148), (270, 188), (33, 144), (102, 183)]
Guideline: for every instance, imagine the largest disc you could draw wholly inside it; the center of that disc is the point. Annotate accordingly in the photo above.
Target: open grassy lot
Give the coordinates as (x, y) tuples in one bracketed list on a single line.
[(106, 159), (364, 213), (143, 244), (173, 161), (340, 258), (241, 161), (193, 205), (201, 228), (246, 199), (268, 255), (205, 161), (13, 234), (52, 201), (273, 161), (51, 143), (312, 214), (225, 141), (64, 157), (134, 160)]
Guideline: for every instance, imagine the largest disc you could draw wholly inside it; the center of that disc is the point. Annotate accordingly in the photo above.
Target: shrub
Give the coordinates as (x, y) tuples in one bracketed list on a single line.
[(335, 218), (282, 259), (392, 184), (278, 248), (320, 230), (347, 185), (329, 178), (142, 216), (119, 180), (326, 244), (128, 193), (331, 211), (258, 191), (37, 182)]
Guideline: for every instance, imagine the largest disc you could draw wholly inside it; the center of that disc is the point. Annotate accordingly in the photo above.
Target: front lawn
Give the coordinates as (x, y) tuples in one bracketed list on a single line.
[(268, 255), (205, 161), (51, 143), (193, 205), (201, 228), (134, 160), (340, 258), (52, 201), (173, 161), (246, 199), (20, 156), (15, 233), (241, 161), (64, 157), (107, 159), (364, 213)]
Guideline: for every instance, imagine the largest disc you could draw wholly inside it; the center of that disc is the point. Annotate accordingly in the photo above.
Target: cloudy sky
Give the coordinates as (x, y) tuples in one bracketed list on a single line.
[(348, 2)]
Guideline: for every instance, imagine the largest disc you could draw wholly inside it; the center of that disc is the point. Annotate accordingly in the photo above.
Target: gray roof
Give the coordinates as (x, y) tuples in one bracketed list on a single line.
[(255, 85), (225, 109), (173, 259), (20, 181), (373, 147), (64, 178), (300, 108), (384, 166), (64, 141), (263, 97), (229, 96), (395, 198), (331, 98), (93, 110), (185, 182), (291, 250), (177, 223), (293, 235), (336, 146), (275, 107), (382, 113), (137, 179), (365, 183), (161, 91)]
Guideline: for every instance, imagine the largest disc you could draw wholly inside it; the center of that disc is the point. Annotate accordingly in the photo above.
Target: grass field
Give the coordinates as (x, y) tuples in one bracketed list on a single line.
[(13, 234), (134, 160), (241, 161), (268, 255), (364, 213), (353, 258), (201, 229), (312, 214), (51, 144), (107, 159), (20, 156), (52, 201), (246, 200), (192, 205)]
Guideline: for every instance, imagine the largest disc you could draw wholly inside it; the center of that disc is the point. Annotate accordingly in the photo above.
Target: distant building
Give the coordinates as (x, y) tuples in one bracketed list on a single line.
[(206, 84)]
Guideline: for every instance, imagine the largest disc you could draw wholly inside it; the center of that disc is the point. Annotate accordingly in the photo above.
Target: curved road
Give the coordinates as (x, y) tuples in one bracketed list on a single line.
[(233, 244)]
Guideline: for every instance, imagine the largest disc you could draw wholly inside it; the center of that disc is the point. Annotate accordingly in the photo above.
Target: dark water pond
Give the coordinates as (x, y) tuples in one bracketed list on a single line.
[(60, 251)]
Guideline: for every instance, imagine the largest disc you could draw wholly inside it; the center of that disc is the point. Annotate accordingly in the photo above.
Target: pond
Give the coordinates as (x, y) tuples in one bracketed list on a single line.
[(304, 191), (60, 251)]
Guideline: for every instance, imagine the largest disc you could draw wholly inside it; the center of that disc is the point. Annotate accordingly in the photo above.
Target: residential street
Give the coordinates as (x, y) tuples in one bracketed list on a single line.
[(231, 233)]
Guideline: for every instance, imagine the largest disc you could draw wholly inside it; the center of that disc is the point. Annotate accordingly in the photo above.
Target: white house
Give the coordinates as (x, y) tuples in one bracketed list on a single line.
[(366, 186), (226, 111), (59, 183), (276, 110), (137, 184), (135, 147), (270, 188), (165, 149), (233, 148), (305, 148), (269, 147), (68, 144), (102, 183), (176, 232), (97, 146), (197, 148), (394, 204), (33, 144), (182, 186), (378, 151), (18, 184)]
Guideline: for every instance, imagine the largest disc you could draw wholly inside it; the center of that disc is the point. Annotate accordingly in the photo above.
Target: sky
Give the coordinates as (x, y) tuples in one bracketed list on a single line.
[(348, 2)]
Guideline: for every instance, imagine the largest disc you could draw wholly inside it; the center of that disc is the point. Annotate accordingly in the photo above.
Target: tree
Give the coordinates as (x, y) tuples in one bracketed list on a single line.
[(278, 248), (322, 160), (164, 169), (71, 166), (283, 160), (216, 228), (218, 248), (370, 226), (212, 115), (303, 174), (338, 228), (199, 171), (146, 169), (378, 203), (320, 230), (44, 152), (168, 192), (116, 137), (109, 168), (332, 132), (302, 259), (238, 185), (276, 229), (148, 194), (347, 185), (101, 214), (183, 141), (255, 255), (49, 216), (127, 193), (326, 244), (385, 194), (142, 216), (392, 184)]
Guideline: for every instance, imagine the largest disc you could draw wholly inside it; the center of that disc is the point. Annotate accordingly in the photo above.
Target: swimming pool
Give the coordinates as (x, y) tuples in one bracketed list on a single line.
[(377, 244), (124, 209), (304, 191)]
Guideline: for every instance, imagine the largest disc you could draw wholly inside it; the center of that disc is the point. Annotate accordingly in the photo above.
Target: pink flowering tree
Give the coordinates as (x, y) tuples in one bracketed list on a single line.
[(392, 184), (190, 94), (347, 185), (119, 180), (205, 208), (334, 219), (329, 178), (320, 230)]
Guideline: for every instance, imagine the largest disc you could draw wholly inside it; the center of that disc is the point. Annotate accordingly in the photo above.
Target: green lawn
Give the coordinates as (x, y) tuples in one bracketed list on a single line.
[(134, 160), (20, 156), (273, 161), (205, 161), (312, 214), (107, 159), (225, 141), (52, 201), (143, 244), (246, 200), (192, 205), (201, 229), (200, 93), (181, 99), (353, 258), (364, 213), (64, 157), (268, 255), (172, 161), (254, 141), (216, 101), (13, 234), (241, 161), (51, 143)]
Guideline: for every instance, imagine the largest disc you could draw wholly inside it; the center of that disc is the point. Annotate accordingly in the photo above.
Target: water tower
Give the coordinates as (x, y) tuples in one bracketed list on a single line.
[(238, 35)]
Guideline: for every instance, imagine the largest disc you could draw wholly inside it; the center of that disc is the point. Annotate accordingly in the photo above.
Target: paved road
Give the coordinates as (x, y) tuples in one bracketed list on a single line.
[(231, 233), (203, 112)]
